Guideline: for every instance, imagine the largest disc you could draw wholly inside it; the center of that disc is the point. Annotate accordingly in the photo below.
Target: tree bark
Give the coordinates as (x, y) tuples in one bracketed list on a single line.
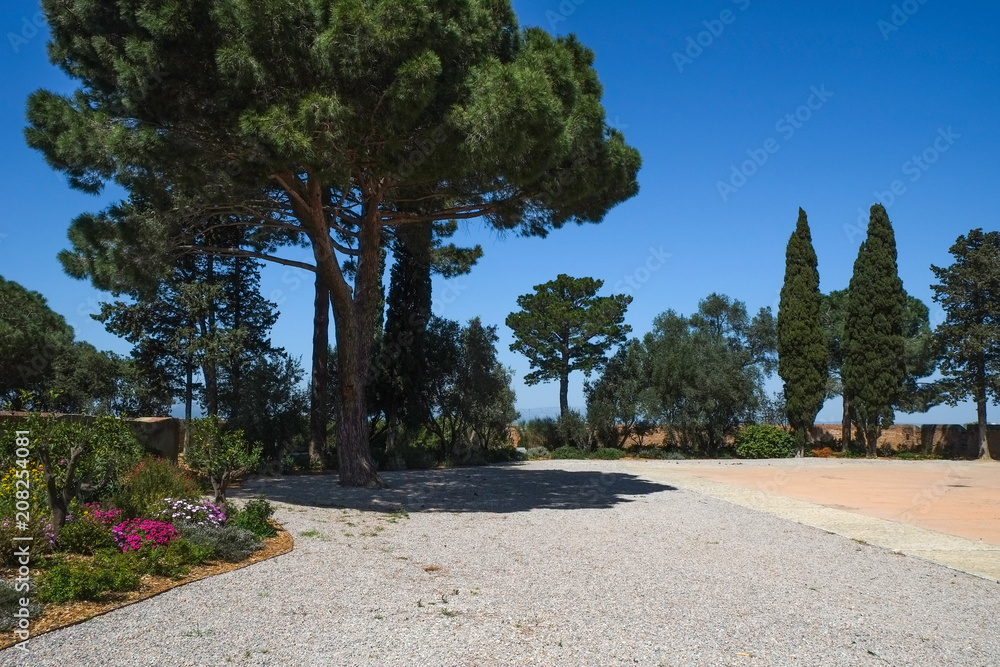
[(319, 410), (846, 425), (210, 366), (188, 401), (984, 445), (563, 395)]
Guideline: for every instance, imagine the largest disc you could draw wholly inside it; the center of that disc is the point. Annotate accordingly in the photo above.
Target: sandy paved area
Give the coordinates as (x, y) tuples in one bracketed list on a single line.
[(955, 497)]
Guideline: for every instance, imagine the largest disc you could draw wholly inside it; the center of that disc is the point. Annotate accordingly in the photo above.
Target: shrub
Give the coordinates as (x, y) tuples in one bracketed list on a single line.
[(137, 533), (573, 431), (178, 511), (567, 452), (38, 529), (537, 453), (539, 432), (764, 442), (11, 491), (607, 454), (84, 458), (229, 542), (221, 456), (10, 602), (85, 535), (149, 482), (254, 517), (83, 580), (171, 560)]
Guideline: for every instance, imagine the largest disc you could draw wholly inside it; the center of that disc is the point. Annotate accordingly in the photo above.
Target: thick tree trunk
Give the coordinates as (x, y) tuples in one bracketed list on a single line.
[(210, 367), (563, 394), (356, 466), (319, 410), (846, 425), (188, 401), (984, 445)]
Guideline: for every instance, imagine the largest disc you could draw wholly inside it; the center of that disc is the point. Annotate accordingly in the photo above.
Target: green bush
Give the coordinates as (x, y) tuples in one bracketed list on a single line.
[(567, 452), (539, 432), (573, 431), (39, 530), (537, 453), (254, 517), (10, 602), (82, 580), (143, 489), (764, 442), (228, 542), (170, 560), (607, 454), (220, 455), (84, 536)]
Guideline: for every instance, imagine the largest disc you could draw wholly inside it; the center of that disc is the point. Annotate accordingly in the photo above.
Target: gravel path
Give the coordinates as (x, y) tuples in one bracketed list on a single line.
[(545, 564)]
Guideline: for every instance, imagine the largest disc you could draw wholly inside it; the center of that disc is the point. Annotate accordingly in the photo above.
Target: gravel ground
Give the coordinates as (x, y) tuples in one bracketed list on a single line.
[(545, 564)]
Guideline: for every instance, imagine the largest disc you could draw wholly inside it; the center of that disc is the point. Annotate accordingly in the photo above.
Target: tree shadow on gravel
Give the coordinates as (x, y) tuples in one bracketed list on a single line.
[(500, 489)]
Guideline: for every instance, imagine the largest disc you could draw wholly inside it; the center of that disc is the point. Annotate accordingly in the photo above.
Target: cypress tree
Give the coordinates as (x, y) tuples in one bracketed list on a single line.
[(874, 348), (802, 350)]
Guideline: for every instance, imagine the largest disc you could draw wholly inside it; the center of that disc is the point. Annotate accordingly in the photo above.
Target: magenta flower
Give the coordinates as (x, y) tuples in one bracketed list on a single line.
[(136, 533)]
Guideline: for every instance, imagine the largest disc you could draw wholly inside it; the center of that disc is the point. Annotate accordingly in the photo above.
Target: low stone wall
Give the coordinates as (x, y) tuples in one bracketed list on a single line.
[(159, 435), (951, 441)]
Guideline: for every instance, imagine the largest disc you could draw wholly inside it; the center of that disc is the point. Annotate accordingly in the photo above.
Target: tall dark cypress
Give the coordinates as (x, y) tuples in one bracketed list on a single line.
[(874, 347), (802, 349)]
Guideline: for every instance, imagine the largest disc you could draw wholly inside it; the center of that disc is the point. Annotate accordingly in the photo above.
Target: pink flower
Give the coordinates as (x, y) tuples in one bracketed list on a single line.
[(136, 533)]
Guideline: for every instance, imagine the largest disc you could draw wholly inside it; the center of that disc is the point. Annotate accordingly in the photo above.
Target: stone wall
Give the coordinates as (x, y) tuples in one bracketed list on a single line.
[(950, 441)]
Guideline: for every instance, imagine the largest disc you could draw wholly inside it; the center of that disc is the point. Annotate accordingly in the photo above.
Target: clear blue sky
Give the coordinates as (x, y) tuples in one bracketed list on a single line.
[(888, 93)]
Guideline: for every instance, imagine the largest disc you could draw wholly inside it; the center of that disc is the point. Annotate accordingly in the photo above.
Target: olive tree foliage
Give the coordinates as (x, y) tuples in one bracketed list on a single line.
[(467, 398), (220, 454), (334, 122), (78, 457), (617, 400), (707, 371)]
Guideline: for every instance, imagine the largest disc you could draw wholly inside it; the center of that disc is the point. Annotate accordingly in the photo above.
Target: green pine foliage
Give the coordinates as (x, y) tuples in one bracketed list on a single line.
[(802, 349), (319, 122), (564, 327), (969, 338), (874, 366)]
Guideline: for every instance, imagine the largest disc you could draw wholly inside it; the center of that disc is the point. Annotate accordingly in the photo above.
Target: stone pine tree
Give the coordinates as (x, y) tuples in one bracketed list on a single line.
[(564, 327), (802, 348), (874, 366), (969, 338), (331, 120)]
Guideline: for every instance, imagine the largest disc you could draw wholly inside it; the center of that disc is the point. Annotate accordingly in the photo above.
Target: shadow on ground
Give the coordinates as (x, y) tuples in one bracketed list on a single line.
[(500, 489)]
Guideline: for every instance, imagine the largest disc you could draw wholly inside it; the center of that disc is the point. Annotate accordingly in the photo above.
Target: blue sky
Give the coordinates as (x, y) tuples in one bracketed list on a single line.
[(839, 103)]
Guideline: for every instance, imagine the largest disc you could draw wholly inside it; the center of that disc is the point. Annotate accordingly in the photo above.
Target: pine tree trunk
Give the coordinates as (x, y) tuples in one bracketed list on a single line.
[(188, 402), (319, 410), (210, 368), (845, 425), (563, 395), (984, 445), (356, 466)]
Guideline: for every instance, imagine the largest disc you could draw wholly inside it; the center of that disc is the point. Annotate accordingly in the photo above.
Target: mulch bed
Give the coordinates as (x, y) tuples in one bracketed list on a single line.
[(71, 613)]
